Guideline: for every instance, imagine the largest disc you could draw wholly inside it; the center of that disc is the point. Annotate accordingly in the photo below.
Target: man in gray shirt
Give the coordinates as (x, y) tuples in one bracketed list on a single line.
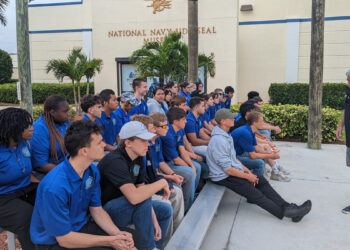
[(226, 170)]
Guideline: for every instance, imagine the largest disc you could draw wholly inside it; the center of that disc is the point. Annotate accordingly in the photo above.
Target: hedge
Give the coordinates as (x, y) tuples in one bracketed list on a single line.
[(6, 67), (298, 93), (8, 91), (293, 121)]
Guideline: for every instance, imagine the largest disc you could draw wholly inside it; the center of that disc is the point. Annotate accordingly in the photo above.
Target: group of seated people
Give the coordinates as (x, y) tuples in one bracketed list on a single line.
[(124, 176)]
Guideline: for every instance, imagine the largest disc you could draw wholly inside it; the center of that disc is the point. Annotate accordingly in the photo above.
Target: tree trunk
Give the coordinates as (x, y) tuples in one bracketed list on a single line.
[(87, 86), (192, 41), (78, 108), (75, 97), (23, 55), (316, 75)]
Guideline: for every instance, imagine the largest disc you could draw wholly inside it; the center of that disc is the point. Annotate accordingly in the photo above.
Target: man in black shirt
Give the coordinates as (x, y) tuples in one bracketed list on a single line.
[(346, 121), (125, 196)]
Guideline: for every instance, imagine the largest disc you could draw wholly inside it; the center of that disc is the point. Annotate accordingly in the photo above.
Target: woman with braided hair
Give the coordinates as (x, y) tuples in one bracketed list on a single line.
[(17, 184), (49, 130)]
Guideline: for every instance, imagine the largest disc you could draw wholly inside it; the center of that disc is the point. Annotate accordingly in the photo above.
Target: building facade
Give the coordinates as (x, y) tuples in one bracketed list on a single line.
[(254, 42)]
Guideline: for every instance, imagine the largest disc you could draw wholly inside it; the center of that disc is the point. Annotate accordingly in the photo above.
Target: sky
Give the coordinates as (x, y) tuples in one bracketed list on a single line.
[(8, 33)]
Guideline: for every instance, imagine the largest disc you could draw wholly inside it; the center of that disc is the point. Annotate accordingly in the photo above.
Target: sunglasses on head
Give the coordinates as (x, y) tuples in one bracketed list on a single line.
[(164, 126)]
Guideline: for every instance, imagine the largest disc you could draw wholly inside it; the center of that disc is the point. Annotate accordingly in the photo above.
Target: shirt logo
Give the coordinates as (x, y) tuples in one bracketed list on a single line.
[(114, 121), (25, 151), (178, 138), (157, 148), (136, 170), (89, 182)]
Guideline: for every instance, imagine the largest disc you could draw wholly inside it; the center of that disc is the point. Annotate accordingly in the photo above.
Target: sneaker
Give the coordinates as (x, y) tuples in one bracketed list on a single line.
[(346, 210), (279, 177), (283, 170), (266, 173)]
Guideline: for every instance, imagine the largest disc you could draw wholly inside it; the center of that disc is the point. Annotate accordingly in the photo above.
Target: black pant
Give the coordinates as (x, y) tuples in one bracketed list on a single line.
[(261, 194), (94, 229), (16, 212)]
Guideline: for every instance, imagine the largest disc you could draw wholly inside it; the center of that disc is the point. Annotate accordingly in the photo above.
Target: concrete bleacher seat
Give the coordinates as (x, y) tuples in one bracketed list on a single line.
[(191, 232), (11, 240)]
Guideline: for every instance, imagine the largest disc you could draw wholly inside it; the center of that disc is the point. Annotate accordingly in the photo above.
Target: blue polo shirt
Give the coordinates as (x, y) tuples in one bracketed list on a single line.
[(218, 106), (62, 202), (212, 111), (206, 116), (122, 117), (111, 127), (244, 139), (171, 142), (188, 96), (15, 167), (141, 109), (227, 103), (85, 117), (156, 152), (193, 125), (40, 143)]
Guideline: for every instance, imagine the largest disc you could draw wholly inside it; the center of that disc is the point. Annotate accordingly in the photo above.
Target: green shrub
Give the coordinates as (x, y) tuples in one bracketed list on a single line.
[(6, 67), (8, 91), (293, 121), (298, 93), (38, 110)]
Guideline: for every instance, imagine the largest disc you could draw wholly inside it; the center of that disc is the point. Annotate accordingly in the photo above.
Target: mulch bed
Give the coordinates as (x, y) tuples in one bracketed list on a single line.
[(3, 243)]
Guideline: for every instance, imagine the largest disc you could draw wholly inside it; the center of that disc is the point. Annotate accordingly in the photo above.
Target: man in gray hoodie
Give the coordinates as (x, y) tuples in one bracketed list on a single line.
[(226, 170)]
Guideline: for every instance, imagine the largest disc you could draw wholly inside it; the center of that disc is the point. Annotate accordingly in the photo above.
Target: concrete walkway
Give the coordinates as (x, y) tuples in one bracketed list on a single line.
[(319, 175)]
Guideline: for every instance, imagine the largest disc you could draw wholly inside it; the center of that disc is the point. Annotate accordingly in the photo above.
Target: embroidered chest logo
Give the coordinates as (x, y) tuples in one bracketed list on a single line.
[(157, 148), (136, 170), (159, 5), (26, 152), (89, 182), (178, 138), (114, 122)]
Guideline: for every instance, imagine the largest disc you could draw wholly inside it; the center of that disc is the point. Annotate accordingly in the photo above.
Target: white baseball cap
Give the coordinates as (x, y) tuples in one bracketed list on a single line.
[(137, 129)]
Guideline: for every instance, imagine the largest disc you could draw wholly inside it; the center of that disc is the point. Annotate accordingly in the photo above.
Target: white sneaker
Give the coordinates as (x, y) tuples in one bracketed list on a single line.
[(279, 177), (283, 170)]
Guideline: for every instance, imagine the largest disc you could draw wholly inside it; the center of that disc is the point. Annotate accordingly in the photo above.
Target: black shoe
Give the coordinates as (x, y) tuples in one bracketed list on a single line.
[(297, 212), (346, 210)]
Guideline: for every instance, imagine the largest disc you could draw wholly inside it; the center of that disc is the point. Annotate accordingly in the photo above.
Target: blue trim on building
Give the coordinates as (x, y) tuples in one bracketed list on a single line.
[(58, 31), (54, 4), (295, 20)]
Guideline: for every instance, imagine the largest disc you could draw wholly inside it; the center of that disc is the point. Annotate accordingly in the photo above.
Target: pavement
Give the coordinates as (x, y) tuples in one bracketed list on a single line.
[(318, 175)]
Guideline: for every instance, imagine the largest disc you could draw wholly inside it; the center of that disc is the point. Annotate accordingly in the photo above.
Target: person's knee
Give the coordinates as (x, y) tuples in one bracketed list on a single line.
[(146, 204)]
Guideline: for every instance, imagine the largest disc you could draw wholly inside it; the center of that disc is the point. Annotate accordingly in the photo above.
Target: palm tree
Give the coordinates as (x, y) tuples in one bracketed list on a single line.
[(168, 59), (74, 67), (3, 4), (93, 66)]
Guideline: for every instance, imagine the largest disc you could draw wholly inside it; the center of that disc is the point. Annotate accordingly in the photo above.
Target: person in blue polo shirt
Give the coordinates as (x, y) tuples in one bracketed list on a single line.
[(173, 148), (140, 88), (194, 127), (108, 120), (70, 192), (17, 184), (185, 91), (214, 107), (47, 142), (127, 102), (221, 103), (229, 91), (92, 107), (248, 151)]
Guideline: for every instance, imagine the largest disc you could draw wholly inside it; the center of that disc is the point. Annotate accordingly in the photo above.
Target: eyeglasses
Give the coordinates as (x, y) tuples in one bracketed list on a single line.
[(164, 126)]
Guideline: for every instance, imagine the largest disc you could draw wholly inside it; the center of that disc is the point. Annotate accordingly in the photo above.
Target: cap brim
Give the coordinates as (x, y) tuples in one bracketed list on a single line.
[(146, 136)]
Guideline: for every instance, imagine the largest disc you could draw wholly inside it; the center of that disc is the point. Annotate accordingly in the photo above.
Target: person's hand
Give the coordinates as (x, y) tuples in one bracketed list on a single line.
[(129, 240), (339, 132), (194, 170), (172, 190), (178, 179), (264, 137), (199, 158), (274, 149), (121, 241), (252, 178), (271, 144), (157, 231), (277, 129), (275, 155), (166, 192)]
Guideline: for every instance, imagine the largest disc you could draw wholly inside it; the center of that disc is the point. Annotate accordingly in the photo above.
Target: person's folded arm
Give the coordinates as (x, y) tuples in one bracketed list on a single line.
[(195, 141)]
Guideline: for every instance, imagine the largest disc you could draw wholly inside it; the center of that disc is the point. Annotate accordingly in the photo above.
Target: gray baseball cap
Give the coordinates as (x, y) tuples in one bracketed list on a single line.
[(130, 98), (135, 128), (224, 114)]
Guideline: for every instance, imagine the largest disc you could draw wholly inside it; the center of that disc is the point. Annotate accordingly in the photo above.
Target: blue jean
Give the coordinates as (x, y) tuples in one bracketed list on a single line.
[(256, 165), (189, 170), (123, 213)]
